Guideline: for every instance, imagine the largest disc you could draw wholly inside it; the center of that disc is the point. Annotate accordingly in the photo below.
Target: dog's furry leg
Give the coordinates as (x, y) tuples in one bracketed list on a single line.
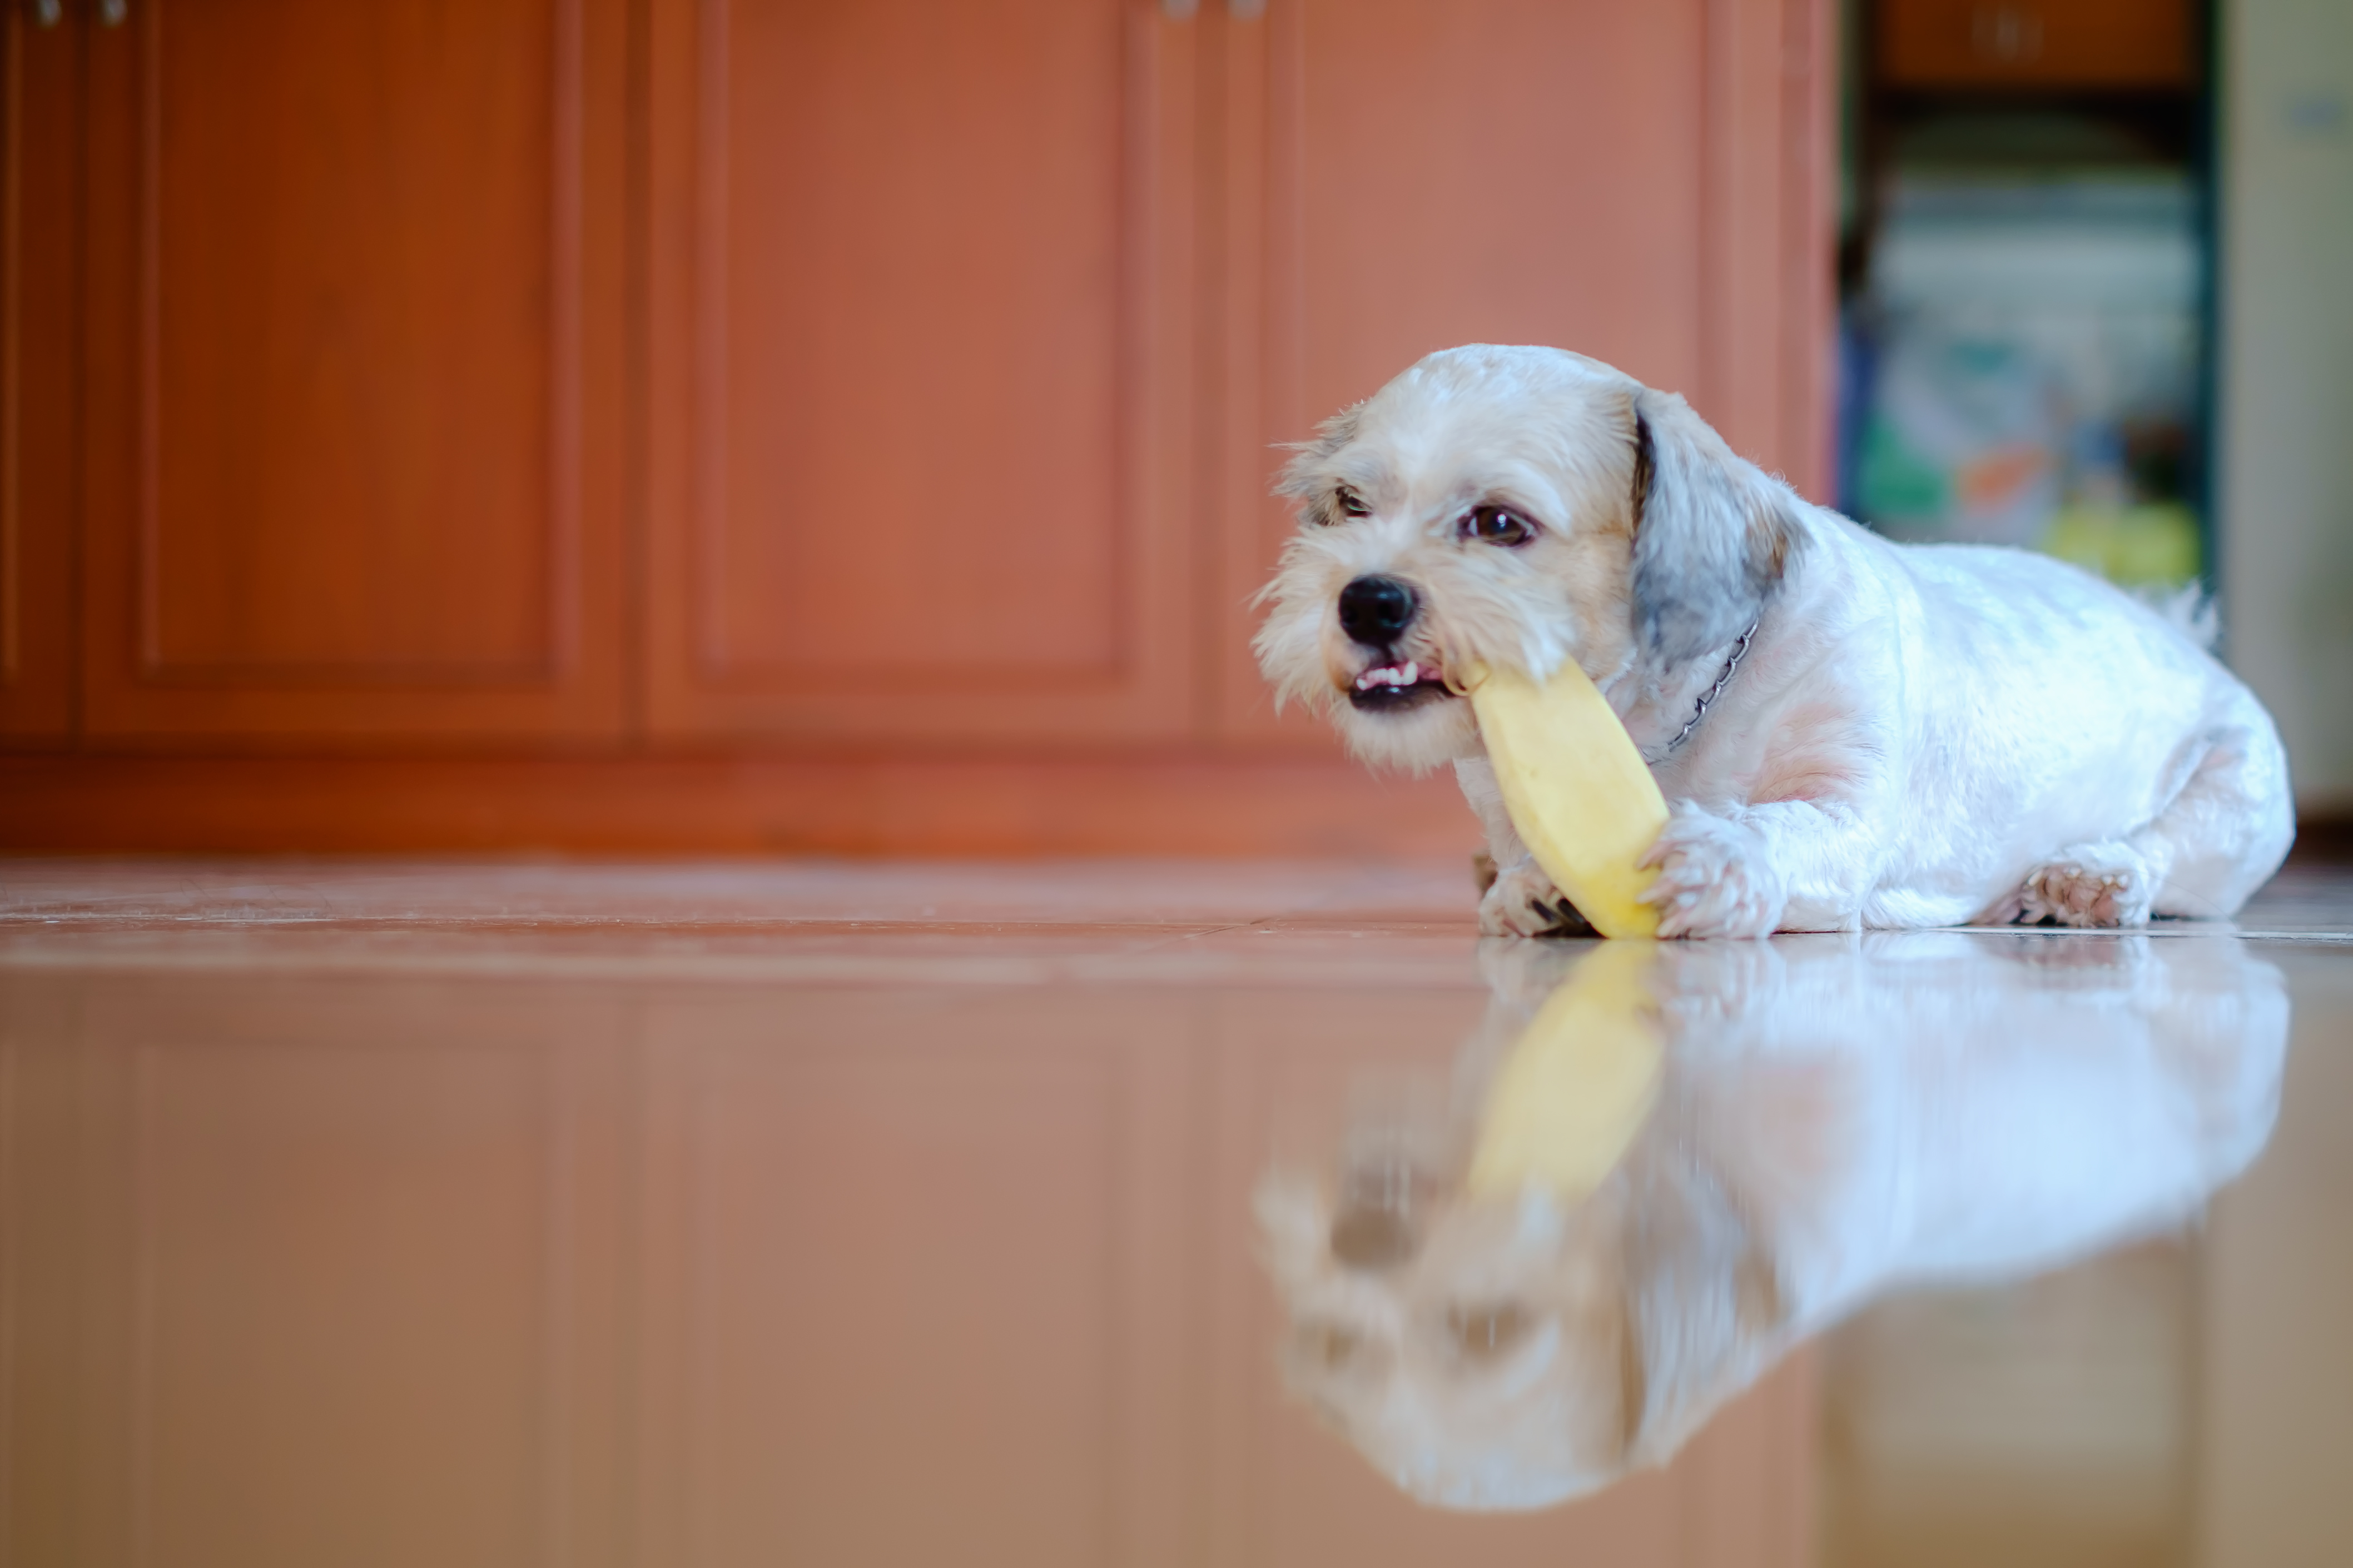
[(1520, 899), (2228, 827), (1523, 902), (1752, 870), (1715, 877)]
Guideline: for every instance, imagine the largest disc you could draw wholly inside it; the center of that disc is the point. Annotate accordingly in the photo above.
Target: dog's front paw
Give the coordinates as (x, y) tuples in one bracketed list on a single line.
[(1522, 902), (2089, 885), (1715, 878)]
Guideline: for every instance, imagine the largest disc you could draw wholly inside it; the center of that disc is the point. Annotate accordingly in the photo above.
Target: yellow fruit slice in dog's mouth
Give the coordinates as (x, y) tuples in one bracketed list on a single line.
[(1579, 1083), (1577, 790)]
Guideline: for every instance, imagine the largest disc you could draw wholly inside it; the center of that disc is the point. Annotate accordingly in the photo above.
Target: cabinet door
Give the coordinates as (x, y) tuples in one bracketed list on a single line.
[(39, 127), (1643, 183), (354, 342), (921, 412)]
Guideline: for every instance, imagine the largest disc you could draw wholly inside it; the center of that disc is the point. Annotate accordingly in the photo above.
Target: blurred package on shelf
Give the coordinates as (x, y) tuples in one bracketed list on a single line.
[(2023, 362)]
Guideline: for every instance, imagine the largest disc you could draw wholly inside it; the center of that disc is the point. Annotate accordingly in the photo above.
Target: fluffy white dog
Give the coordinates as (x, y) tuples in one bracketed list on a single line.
[(1850, 733)]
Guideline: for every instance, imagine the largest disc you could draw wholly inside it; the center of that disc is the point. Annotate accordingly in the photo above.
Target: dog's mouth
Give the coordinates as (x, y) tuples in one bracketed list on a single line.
[(1393, 688)]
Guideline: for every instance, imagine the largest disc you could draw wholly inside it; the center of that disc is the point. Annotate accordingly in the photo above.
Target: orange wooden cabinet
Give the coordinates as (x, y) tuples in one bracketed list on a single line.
[(2038, 43), (598, 384), (942, 296), (355, 348)]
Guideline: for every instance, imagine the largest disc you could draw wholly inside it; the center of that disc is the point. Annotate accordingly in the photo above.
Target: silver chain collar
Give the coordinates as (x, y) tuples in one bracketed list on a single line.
[(1699, 711)]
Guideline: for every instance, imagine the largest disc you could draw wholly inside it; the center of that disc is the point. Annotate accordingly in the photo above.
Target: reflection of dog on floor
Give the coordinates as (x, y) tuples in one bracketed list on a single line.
[(1850, 733), (1822, 1120)]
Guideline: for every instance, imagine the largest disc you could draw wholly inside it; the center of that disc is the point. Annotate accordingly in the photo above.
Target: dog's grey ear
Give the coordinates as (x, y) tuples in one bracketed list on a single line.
[(1712, 533)]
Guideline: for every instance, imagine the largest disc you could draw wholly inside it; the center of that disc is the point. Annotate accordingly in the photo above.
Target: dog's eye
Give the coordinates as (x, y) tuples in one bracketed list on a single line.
[(1350, 503), (1495, 525)]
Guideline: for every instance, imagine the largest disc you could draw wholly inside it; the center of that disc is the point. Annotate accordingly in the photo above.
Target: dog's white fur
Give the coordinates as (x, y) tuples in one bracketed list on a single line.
[(1917, 735), (1838, 1117)]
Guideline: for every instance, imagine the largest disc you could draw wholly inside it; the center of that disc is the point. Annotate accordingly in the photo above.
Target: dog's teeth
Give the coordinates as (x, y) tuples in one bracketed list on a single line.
[(1412, 674)]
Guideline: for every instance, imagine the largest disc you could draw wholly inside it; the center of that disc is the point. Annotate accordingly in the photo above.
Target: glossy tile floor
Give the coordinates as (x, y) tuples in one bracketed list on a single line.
[(400, 1212)]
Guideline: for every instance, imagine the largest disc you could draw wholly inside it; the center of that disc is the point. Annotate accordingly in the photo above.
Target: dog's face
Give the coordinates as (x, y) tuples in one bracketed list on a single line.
[(1515, 508), (1512, 1345), (1481, 1363), (1495, 1354)]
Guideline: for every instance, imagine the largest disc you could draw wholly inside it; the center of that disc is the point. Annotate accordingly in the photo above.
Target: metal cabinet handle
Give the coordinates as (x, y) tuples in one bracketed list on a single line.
[(1184, 10)]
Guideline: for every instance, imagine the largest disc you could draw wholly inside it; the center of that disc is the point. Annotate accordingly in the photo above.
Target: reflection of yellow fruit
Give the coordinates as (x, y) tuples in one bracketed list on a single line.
[(1578, 1085), (1579, 791), (2132, 544)]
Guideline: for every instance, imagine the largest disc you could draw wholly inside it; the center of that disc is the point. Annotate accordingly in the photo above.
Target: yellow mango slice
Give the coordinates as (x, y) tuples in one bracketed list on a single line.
[(1578, 1085), (1577, 790)]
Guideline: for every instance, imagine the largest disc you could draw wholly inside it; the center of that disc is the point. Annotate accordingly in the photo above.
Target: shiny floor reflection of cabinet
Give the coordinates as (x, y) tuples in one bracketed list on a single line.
[(1155, 1214)]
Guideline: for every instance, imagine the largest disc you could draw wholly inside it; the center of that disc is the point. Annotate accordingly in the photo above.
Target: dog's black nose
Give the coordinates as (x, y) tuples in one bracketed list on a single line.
[(1372, 1240), (1378, 1224), (1376, 610)]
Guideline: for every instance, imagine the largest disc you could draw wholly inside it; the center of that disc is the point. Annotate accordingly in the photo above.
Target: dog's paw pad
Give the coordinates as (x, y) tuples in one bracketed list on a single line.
[(2100, 886)]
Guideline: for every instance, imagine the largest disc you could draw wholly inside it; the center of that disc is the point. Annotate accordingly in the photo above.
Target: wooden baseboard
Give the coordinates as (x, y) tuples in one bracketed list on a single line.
[(1189, 806)]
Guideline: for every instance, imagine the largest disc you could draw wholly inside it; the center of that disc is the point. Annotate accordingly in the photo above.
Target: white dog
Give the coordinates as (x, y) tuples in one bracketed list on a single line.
[(1850, 733)]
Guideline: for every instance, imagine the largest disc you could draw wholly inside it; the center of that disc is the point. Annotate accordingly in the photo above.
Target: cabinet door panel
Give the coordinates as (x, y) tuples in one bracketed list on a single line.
[(39, 110), (355, 358), (1641, 184), (920, 407)]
